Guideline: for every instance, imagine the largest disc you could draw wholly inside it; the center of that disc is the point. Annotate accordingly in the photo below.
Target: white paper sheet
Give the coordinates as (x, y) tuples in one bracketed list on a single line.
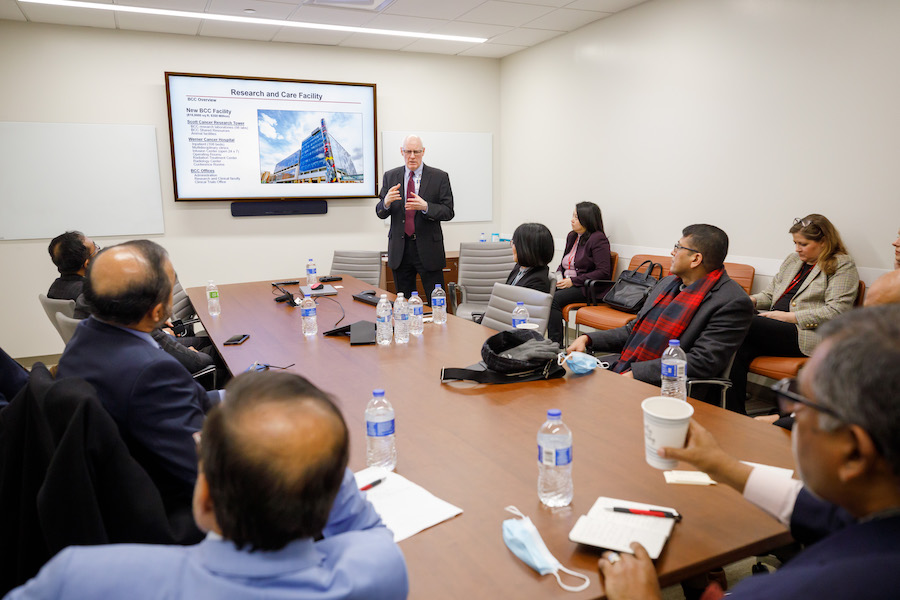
[(603, 528)]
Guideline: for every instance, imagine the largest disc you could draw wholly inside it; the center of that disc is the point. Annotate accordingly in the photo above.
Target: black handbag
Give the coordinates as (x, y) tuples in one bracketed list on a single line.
[(632, 287), (497, 367)]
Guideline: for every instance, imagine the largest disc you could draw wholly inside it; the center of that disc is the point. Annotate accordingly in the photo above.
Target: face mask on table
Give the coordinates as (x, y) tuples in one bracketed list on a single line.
[(580, 363)]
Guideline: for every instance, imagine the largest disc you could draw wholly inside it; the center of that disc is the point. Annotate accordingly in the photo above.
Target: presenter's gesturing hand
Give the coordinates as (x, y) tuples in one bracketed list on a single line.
[(393, 195), (416, 203)]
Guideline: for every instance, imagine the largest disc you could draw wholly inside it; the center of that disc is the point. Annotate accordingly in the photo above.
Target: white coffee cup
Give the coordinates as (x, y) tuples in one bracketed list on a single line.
[(665, 425)]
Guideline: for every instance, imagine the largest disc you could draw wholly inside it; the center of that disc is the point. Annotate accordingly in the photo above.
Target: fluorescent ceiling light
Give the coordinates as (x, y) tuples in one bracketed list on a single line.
[(253, 20)]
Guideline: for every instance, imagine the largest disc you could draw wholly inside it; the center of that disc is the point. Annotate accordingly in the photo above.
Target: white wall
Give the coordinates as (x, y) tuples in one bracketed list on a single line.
[(81, 75), (741, 113)]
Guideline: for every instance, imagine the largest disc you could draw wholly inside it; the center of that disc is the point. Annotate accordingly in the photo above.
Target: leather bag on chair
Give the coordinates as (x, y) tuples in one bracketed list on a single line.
[(632, 287)]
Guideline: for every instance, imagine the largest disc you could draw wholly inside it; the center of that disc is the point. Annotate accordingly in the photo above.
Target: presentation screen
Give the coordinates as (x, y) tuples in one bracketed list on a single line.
[(242, 138)]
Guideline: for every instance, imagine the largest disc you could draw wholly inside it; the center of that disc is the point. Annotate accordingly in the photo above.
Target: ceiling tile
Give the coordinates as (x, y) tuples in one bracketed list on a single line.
[(10, 10), (264, 10), (79, 17), (550, 3), (504, 13), (332, 16), (186, 5), (240, 31), (439, 46), (158, 24), (492, 50), (525, 37), (401, 23), (434, 9), (471, 29), (564, 19), (296, 35), (377, 42), (609, 6)]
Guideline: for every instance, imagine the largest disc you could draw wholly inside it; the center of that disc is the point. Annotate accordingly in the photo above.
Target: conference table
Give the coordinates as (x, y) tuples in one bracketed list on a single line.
[(474, 445)]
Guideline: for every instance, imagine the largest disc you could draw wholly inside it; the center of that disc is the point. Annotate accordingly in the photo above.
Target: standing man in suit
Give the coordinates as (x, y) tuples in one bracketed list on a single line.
[(846, 508), (153, 399), (417, 198)]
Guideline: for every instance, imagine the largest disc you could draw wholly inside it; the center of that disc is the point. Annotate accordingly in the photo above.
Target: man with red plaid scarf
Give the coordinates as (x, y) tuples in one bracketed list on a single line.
[(697, 304)]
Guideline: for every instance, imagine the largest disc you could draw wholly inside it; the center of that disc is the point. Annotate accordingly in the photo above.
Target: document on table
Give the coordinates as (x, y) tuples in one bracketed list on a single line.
[(603, 528), (406, 508)]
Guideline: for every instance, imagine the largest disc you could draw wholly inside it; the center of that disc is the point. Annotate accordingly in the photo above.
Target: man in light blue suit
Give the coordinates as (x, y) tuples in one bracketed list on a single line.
[(273, 479)]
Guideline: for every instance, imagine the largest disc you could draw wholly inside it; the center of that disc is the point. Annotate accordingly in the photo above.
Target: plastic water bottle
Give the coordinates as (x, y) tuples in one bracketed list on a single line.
[(401, 320), (311, 277), (674, 371), (555, 461), (483, 237), (308, 316), (415, 314), (439, 305), (384, 329), (381, 449), (519, 315), (212, 299)]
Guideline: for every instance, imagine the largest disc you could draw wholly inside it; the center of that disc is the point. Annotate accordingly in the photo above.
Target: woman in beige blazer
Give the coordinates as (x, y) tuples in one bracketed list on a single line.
[(815, 283)]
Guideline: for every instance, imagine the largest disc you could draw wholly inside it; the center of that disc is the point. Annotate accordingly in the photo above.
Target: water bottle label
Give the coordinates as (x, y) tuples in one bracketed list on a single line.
[(213, 294), (554, 458), (308, 312), (403, 317), (672, 369), (417, 310), (438, 301), (311, 271), (517, 322), (384, 318), (374, 429)]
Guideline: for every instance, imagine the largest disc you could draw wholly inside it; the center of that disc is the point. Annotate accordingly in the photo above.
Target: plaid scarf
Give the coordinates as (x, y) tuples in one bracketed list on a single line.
[(671, 314)]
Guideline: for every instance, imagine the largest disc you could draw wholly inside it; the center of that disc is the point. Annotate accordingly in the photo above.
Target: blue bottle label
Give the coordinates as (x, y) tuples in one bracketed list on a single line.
[(517, 322), (438, 301), (374, 429), (311, 271), (384, 318), (308, 312), (417, 310), (669, 370), (554, 458), (403, 317)]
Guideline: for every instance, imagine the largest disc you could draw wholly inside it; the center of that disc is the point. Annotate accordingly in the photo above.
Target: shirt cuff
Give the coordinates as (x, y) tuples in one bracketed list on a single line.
[(773, 491)]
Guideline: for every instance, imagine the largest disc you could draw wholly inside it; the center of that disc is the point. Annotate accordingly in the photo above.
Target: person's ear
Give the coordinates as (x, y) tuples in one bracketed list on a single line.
[(696, 260), (859, 454), (158, 313)]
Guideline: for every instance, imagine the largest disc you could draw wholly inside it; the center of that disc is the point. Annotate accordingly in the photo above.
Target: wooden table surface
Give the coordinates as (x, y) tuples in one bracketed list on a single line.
[(474, 445)]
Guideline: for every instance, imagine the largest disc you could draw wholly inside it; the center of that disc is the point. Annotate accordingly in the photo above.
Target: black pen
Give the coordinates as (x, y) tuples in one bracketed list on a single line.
[(649, 513), (371, 485)]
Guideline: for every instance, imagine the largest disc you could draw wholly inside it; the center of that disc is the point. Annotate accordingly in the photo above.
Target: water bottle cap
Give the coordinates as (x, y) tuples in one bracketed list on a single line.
[(414, 294), (674, 343), (384, 295), (554, 413), (310, 260), (520, 304), (437, 286), (399, 295), (378, 392)]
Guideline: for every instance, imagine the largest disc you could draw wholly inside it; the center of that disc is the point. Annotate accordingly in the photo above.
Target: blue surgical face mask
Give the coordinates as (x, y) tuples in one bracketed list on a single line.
[(580, 363), (523, 539)]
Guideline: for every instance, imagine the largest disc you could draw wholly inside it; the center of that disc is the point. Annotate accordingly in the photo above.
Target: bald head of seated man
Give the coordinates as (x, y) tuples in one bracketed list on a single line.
[(284, 515), (885, 290), (153, 399)]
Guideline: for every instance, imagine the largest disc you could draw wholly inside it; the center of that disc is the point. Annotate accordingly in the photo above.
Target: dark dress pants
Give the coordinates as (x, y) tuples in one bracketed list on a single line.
[(766, 337), (405, 274), (560, 299)]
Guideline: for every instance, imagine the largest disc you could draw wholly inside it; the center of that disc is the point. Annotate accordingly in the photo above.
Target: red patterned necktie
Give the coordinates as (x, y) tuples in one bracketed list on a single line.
[(409, 227)]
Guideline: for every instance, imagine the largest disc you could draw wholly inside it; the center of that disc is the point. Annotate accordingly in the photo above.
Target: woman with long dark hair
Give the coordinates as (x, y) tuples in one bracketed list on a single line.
[(532, 245), (586, 257)]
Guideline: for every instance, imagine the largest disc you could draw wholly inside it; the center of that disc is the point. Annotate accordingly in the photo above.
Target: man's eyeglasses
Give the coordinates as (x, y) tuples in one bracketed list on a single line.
[(680, 247), (97, 249), (258, 366), (788, 399), (412, 152)]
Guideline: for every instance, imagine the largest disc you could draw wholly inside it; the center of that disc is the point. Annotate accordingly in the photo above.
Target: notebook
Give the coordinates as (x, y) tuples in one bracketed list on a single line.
[(603, 528), (327, 290)]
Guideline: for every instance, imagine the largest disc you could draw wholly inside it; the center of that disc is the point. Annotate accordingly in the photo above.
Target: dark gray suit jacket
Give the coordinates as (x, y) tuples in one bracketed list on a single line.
[(711, 339), (435, 190)]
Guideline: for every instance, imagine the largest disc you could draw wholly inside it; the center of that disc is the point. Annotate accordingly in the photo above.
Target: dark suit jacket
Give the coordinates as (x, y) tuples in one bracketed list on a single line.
[(592, 260), (151, 397), (844, 560), (710, 340), (66, 287), (435, 190), (536, 278)]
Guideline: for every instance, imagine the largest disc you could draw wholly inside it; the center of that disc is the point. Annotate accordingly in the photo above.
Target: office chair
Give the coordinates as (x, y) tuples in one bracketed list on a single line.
[(52, 306), (498, 314), (66, 326), (365, 265), (481, 265)]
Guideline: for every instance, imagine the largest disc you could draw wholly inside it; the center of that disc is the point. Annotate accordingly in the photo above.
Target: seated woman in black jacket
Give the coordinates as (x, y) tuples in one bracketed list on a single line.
[(532, 246), (586, 257)]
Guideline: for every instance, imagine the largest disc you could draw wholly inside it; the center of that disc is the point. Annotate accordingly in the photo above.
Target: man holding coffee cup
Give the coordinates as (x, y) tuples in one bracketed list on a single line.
[(847, 450)]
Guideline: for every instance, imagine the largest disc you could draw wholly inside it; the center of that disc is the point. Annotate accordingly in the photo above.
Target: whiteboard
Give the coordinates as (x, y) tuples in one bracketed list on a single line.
[(466, 157), (100, 179)]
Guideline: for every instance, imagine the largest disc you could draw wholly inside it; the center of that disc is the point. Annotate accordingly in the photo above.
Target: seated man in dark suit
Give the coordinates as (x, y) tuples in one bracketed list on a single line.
[(151, 396), (70, 252), (284, 516), (697, 304), (847, 449)]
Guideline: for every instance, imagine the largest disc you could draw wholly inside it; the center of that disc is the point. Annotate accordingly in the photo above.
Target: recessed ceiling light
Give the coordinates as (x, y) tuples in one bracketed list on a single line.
[(250, 11), (253, 20)]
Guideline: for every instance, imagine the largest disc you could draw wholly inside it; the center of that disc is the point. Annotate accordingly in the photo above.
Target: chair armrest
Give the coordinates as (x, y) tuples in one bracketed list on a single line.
[(721, 381), (454, 287), (208, 370), (593, 286)]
